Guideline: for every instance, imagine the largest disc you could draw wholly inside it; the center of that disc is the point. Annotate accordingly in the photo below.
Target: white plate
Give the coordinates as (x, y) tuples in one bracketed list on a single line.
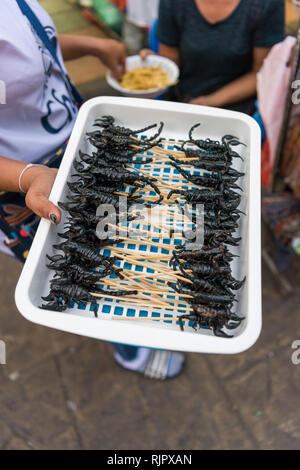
[(135, 61), (178, 118)]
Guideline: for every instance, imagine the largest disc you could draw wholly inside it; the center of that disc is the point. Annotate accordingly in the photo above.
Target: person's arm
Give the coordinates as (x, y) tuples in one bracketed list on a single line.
[(112, 53), (170, 52), (238, 90), (37, 182)]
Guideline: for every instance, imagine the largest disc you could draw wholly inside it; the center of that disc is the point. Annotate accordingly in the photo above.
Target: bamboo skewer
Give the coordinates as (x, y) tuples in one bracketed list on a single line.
[(139, 302), (151, 198), (136, 302), (153, 276), (145, 232), (161, 258), (173, 228), (172, 318), (142, 280), (166, 141), (169, 201), (143, 240), (157, 177), (162, 210), (152, 288), (161, 270), (156, 264), (150, 291), (146, 242), (164, 302), (133, 281), (161, 152), (162, 139), (141, 294), (143, 255)]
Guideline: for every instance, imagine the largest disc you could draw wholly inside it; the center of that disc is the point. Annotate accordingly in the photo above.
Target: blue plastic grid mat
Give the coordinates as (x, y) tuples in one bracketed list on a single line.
[(114, 308)]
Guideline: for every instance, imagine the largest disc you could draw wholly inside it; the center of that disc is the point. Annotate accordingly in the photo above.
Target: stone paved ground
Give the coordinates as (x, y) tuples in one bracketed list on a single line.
[(61, 391)]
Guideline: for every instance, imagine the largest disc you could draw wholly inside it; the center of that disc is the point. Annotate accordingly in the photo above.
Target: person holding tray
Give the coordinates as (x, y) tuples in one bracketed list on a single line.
[(220, 46), (38, 108)]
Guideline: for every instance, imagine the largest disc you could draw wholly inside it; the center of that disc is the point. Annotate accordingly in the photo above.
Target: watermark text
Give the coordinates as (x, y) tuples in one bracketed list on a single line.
[(296, 354), (2, 353)]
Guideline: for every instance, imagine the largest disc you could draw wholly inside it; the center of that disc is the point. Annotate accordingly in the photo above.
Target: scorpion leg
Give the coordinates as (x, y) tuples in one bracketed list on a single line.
[(191, 317)]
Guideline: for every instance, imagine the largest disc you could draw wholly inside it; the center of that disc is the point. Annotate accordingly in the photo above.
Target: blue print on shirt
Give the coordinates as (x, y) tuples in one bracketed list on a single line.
[(68, 107), (65, 101)]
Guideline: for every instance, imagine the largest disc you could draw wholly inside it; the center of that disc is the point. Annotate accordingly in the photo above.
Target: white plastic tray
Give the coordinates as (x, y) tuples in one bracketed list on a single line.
[(178, 119)]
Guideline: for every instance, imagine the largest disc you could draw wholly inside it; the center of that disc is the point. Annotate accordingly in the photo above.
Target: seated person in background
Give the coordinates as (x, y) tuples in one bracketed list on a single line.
[(219, 46)]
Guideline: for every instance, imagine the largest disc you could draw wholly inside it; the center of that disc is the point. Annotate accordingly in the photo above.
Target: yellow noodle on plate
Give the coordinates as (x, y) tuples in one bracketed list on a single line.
[(145, 78)]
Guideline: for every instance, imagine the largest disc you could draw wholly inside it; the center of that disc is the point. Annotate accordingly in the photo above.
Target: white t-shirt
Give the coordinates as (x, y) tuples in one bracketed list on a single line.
[(142, 13), (39, 113)]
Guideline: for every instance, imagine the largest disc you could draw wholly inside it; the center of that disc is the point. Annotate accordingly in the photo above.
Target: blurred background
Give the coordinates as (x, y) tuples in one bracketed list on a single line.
[(61, 391)]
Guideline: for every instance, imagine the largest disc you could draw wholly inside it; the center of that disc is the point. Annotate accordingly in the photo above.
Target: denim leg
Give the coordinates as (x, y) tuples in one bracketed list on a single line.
[(128, 353)]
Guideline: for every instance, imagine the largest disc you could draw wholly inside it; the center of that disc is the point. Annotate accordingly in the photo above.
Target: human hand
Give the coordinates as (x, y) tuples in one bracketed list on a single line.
[(112, 53), (37, 181), (145, 52)]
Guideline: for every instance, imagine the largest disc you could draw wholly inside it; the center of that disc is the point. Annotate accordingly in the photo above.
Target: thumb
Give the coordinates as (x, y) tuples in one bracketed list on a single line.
[(145, 52), (41, 206)]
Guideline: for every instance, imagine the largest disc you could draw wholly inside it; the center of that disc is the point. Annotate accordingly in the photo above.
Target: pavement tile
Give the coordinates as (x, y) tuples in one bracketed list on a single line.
[(281, 326), (195, 410), (17, 444), (26, 343), (116, 409), (267, 398), (35, 411), (109, 407)]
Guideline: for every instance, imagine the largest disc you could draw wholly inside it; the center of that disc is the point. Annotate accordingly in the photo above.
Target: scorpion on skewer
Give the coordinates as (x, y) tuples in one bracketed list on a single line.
[(102, 175)]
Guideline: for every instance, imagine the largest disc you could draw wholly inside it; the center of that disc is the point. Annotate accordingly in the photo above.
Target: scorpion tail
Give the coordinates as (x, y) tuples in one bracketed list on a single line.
[(144, 129), (191, 131), (157, 133)]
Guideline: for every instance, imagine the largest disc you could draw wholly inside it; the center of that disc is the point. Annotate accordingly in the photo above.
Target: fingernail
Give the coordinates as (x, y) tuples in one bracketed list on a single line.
[(53, 218)]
